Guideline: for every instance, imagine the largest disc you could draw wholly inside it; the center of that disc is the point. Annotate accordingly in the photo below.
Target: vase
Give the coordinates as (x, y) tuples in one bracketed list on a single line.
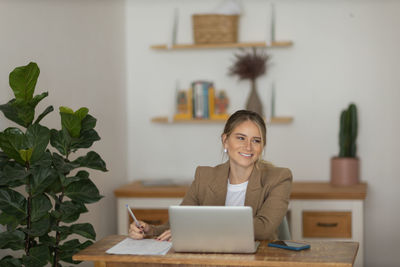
[(254, 102), (344, 171)]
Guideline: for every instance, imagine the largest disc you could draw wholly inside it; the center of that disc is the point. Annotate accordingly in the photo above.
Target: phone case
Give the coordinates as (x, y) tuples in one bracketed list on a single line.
[(305, 246)]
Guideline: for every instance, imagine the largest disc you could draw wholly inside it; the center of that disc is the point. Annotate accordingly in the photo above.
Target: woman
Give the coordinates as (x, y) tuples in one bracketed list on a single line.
[(244, 179)]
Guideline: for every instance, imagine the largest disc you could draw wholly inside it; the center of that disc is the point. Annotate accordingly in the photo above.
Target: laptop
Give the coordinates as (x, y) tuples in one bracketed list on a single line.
[(219, 229)]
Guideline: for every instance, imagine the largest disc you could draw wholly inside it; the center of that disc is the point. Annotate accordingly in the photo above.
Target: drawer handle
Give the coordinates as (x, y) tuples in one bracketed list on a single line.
[(327, 224)]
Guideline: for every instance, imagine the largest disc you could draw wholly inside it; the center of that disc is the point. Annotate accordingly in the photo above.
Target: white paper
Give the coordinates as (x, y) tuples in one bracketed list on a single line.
[(130, 246)]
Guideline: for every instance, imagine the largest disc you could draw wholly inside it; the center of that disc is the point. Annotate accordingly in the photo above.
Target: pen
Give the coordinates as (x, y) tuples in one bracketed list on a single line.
[(133, 216)]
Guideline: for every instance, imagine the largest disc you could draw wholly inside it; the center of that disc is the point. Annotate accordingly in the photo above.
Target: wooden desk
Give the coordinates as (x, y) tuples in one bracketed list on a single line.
[(311, 204), (322, 253)]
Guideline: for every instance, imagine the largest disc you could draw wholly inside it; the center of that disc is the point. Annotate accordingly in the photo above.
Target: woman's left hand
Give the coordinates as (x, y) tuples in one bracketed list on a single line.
[(166, 236)]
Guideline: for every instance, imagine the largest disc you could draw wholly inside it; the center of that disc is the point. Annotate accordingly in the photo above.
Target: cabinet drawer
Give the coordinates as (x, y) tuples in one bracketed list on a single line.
[(327, 224), (150, 216)]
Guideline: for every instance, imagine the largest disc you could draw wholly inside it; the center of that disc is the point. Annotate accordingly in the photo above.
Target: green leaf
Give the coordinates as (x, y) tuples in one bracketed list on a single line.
[(9, 261), (81, 113), (63, 166), (56, 214), (44, 113), (11, 221), (12, 203), (72, 123), (91, 160), (22, 113), (12, 239), (54, 188), (61, 140), (25, 113), (47, 240), (4, 159), (38, 138), (41, 226), (88, 123), (84, 229), (88, 134), (13, 174), (42, 178), (23, 81), (40, 206), (69, 248), (81, 175), (83, 191), (71, 210), (25, 154), (38, 256), (66, 110), (36, 99), (12, 140), (64, 232), (85, 140), (45, 161), (12, 112)]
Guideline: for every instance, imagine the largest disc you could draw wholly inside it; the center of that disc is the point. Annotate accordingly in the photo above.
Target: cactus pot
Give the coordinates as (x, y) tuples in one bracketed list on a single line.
[(345, 171)]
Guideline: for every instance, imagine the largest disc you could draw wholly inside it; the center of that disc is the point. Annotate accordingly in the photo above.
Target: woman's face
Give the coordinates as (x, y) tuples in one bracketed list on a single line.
[(244, 145)]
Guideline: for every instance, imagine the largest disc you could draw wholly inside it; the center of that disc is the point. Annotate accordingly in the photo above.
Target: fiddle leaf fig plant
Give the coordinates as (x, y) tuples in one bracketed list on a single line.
[(44, 188)]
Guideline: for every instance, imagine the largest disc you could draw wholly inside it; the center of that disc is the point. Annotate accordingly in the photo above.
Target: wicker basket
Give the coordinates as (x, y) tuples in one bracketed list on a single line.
[(213, 28)]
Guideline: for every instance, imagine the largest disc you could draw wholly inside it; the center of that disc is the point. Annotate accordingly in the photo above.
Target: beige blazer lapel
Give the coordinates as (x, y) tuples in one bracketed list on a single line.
[(253, 190), (219, 187)]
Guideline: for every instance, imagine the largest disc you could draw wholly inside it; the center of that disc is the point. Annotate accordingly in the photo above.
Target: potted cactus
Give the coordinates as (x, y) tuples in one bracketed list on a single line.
[(345, 167)]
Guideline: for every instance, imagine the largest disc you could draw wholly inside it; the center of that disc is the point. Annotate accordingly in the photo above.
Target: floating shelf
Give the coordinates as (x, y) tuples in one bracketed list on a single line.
[(224, 45), (166, 120)]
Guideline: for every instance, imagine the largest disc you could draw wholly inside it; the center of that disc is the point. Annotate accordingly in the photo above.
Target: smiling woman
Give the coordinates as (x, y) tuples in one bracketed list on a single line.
[(244, 180)]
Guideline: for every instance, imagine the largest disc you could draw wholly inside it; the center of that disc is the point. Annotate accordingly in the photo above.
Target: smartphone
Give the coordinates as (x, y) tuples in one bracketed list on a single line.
[(289, 245)]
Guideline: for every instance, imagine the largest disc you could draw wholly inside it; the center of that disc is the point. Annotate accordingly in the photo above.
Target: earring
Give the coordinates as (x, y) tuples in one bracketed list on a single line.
[(225, 150)]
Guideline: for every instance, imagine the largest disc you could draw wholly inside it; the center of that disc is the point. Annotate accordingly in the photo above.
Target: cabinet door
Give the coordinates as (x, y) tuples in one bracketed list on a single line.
[(330, 224)]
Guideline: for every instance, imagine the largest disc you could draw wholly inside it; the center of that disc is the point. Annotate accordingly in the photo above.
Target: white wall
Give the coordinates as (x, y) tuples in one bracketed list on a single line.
[(343, 51), (80, 49)]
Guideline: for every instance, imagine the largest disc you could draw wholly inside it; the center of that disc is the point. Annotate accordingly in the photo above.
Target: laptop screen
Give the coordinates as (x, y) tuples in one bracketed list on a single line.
[(219, 229)]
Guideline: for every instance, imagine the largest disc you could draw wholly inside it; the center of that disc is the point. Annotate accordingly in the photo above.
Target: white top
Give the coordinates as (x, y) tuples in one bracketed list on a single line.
[(236, 194)]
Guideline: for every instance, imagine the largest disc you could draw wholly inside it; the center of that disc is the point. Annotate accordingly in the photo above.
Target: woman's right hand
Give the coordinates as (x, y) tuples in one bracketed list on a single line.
[(136, 232)]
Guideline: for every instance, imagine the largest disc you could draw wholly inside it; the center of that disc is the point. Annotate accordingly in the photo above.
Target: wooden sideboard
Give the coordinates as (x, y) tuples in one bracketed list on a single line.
[(317, 210)]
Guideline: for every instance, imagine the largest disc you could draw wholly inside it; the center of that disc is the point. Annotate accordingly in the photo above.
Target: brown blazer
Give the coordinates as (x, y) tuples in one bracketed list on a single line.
[(267, 193)]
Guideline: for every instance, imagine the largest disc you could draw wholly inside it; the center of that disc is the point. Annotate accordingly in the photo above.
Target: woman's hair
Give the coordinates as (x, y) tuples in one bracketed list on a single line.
[(245, 115)]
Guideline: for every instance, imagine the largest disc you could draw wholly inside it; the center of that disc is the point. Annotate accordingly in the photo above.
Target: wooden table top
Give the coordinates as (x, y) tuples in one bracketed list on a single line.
[(322, 253), (300, 190)]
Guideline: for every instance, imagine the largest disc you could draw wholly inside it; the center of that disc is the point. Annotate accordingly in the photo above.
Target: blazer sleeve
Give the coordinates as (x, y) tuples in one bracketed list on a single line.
[(274, 208), (190, 199), (192, 195)]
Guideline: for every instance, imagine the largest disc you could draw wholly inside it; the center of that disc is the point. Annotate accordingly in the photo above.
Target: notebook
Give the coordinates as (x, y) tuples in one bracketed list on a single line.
[(217, 229)]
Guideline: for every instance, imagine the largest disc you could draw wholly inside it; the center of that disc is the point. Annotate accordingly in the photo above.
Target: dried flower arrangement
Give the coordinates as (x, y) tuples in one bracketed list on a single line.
[(249, 65)]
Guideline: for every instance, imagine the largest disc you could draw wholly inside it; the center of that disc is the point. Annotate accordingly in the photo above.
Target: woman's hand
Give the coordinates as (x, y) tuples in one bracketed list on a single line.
[(166, 236), (138, 232)]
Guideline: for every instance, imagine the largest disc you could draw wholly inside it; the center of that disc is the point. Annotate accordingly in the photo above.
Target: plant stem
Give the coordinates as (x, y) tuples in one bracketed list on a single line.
[(28, 243), (58, 234)]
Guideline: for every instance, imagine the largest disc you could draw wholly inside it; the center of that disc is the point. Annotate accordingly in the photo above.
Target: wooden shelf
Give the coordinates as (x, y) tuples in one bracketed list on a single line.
[(166, 120), (224, 45), (280, 120)]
